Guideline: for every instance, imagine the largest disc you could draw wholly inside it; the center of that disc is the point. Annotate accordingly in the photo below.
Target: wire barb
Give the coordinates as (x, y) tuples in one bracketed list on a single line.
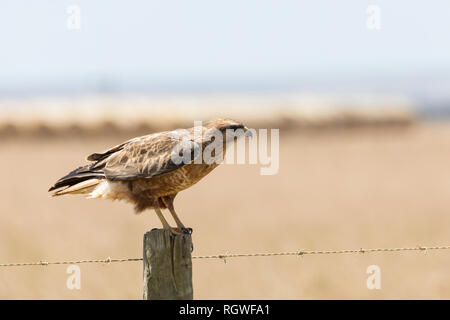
[(222, 256)]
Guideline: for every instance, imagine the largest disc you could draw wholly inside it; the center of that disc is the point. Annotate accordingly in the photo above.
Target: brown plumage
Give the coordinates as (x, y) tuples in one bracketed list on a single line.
[(142, 170)]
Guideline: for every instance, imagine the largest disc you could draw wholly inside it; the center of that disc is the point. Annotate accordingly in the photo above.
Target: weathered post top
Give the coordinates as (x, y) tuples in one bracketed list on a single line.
[(167, 266)]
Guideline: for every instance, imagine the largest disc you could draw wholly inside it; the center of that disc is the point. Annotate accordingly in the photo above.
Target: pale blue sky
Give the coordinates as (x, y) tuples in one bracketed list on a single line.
[(139, 43)]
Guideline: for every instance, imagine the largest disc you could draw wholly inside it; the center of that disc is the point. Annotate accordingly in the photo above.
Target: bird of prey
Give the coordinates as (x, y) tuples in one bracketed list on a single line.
[(147, 170)]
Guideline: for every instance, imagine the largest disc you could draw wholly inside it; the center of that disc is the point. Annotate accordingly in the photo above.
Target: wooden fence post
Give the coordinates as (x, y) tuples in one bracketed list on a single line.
[(167, 266)]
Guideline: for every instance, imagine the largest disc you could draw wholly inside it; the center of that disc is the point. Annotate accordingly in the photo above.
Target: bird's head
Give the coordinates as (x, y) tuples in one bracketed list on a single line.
[(235, 128)]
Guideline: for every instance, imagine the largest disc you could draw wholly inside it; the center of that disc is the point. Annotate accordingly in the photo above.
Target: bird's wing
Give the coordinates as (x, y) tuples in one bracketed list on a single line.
[(146, 157)]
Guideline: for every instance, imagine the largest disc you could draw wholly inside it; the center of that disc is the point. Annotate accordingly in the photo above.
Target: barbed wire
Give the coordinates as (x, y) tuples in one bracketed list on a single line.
[(46, 263), (225, 256)]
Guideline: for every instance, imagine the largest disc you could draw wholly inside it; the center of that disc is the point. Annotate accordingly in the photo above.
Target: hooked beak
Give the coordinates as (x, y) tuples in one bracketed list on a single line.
[(248, 133)]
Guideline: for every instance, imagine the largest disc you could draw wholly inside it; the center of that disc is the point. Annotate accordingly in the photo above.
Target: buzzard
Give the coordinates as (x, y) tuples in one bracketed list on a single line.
[(149, 171)]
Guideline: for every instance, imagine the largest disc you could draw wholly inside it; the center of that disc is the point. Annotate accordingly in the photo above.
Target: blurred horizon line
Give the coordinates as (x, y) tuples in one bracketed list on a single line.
[(429, 92)]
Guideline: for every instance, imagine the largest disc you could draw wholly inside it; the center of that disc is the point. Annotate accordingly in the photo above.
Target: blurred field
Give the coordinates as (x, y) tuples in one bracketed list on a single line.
[(106, 116), (336, 189)]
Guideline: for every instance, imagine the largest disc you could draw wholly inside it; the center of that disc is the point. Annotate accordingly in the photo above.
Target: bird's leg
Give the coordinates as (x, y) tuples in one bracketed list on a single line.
[(168, 201), (164, 222)]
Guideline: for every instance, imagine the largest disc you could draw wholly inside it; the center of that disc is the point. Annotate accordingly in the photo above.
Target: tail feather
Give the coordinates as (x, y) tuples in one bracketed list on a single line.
[(78, 180), (83, 187)]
